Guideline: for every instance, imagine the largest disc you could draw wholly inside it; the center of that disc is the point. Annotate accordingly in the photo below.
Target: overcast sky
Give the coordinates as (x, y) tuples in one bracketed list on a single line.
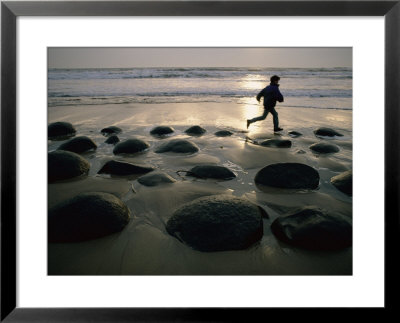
[(199, 57)]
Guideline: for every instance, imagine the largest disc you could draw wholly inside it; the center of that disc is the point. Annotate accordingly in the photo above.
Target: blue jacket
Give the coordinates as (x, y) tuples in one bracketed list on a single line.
[(271, 94)]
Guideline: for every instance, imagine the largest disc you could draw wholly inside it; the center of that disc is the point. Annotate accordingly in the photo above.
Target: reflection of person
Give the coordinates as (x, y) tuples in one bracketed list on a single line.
[(271, 94)]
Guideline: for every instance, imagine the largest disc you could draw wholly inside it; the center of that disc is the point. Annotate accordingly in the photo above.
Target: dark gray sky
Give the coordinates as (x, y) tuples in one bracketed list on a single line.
[(74, 57)]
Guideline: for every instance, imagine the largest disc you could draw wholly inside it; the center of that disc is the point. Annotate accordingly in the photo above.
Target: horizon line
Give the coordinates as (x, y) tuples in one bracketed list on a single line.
[(205, 67)]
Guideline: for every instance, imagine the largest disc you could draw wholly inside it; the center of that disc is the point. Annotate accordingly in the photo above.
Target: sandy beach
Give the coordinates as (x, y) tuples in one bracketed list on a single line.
[(144, 247)]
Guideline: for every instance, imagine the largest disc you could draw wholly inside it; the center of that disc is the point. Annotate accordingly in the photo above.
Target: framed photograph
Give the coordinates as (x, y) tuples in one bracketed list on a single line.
[(196, 160)]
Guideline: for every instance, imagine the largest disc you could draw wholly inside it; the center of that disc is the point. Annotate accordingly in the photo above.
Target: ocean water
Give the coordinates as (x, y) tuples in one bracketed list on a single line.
[(321, 88)]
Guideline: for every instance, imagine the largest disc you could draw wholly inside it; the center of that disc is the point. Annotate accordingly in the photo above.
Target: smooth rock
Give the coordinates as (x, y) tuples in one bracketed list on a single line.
[(223, 133), (326, 132), (130, 146), (78, 145), (288, 175), (211, 171), (60, 129), (87, 216), (155, 179), (111, 130), (161, 131), (315, 229), (344, 182), (195, 131), (112, 140), (217, 223), (324, 148), (114, 167), (64, 165), (178, 146), (277, 143)]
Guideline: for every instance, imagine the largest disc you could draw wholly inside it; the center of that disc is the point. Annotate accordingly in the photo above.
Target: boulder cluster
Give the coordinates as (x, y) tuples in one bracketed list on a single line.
[(208, 224)]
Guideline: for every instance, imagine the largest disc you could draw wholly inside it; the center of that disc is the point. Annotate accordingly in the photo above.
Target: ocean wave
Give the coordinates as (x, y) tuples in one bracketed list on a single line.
[(168, 73), (313, 93)]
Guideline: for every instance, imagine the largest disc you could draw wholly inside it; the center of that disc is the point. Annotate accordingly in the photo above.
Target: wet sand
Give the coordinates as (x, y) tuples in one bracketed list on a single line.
[(144, 247)]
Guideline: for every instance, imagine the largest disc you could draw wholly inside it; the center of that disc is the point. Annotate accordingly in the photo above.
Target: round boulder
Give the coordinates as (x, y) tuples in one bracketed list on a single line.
[(87, 216), (312, 228), (112, 140), (130, 146), (178, 146), (326, 132), (195, 131), (161, 131), (288, 175), (277, 143), (114, 167), (217, 223), (324, 148), (78, 145), (112, 130), (155, 179), (344, 182), (223, 133), (211, 171), (64, 165), (60, 129)]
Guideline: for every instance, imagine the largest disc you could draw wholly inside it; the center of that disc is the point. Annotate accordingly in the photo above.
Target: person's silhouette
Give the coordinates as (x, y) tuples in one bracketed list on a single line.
[(271, 94)]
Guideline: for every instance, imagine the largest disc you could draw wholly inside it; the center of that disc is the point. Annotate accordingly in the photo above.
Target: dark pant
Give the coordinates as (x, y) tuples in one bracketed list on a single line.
[(274, 115)]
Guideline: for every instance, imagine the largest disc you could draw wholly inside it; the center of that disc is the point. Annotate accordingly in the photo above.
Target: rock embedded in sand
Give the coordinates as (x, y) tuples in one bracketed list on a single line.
[(344, 182), (178, 146), (161, 131), (155, 179), (295, 134), (60, 129), (114, 167), (324, 148), (326, 132), (78, 145), (312, 228), (288, 175), (110, 130), (223, 133), (64, 165), (195, 131), (217, 223), (87, 216), (130, 146), (112, 140), (277, 143), (211, 171)]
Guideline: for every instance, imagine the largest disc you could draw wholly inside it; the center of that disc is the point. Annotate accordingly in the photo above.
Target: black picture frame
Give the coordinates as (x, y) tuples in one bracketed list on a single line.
[(10, 10)]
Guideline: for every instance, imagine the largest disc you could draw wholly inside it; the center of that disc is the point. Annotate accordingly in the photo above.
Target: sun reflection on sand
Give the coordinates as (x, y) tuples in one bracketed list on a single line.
[(251, 108)]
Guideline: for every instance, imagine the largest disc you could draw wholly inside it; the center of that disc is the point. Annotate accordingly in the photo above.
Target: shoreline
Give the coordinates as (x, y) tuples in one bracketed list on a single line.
[(148, 101)]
